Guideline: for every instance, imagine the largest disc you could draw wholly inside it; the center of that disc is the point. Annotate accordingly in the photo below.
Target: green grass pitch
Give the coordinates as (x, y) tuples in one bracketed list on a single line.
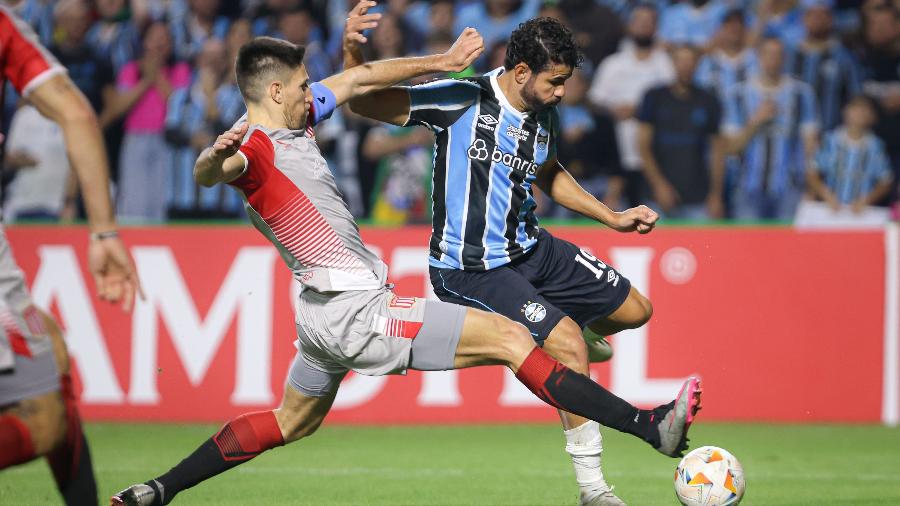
[(486, 465)]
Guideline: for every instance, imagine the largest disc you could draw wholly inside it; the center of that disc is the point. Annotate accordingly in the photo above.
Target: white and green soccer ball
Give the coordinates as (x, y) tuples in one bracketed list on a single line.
[(709, 476)]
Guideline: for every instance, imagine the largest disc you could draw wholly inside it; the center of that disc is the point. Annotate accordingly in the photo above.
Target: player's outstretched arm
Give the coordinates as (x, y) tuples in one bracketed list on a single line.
[(221, 162), (393, 105), (109, 261), (554, 180)]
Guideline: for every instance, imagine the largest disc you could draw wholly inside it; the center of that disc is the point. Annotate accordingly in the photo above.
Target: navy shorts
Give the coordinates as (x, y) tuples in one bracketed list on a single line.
[(554, 280)]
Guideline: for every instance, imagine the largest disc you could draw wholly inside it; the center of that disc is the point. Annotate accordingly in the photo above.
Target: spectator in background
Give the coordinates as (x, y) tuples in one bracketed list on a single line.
[(692, 22), (822, 61), (442, 16), (781, 19), (587, 148), (144, 86), (39, 15), (201, 23), (91, 74), (389, 39), (495, 19), (296, 26), (598, 30), (36, 151), (731, 60), (621, 81), (880, 56), (851, 168), (193, 117), (114, 36), (771, 121), (230, 103), (402, 183), (679, 129), (265, 15), (494, 56)]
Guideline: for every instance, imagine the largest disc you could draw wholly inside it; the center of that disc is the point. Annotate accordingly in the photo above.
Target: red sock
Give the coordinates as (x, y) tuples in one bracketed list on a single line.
[(565, 389), (15, 439), (249, 435), (535, 371)]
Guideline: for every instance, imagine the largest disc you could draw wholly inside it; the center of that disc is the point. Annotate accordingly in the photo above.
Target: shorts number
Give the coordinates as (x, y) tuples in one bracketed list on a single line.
[(597, 267)]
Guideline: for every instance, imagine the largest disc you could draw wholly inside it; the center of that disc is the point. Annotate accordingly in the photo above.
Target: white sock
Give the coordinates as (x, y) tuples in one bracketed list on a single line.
[(584, 444)]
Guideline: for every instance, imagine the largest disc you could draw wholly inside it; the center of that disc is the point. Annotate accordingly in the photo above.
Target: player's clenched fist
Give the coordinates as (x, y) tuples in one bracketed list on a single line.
[(641, 219), (464, 51), (227, 144)]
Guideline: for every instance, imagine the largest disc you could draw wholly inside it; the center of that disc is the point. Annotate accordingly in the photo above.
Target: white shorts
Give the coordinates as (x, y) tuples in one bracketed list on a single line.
[(371, 332), (27, 365)]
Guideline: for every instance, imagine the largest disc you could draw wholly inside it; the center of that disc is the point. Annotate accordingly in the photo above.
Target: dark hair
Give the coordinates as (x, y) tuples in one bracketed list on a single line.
[(540, 41), (767, 38), (647, 6), (863, 99), (734, 15), (263, 58)]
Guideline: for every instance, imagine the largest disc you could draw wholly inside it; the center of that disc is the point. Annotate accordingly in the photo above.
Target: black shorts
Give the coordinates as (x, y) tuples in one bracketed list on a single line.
[(556, 279)]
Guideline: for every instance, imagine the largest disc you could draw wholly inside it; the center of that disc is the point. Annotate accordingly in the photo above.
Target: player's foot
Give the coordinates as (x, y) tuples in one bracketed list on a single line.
[(599, 349), (675, 418), (135, 495), (605, 498)]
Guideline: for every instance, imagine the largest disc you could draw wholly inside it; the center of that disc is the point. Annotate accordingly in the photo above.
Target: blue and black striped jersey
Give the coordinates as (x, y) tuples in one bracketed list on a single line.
[(852, 168), (832, 72), (486, 157), (773, 162)]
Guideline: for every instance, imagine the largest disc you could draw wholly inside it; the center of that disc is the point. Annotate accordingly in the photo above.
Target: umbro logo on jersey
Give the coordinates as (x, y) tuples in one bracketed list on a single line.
[(487, 122), (321, 100), (487, 119)]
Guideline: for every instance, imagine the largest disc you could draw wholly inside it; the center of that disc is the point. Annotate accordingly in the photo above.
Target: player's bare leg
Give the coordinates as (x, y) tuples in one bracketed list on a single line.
[(50, 425), (633, 313), (584, 443), (238, 441), (489, 338)]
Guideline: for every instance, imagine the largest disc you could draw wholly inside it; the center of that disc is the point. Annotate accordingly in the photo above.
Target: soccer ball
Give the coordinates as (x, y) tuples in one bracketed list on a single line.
[(709, 476)]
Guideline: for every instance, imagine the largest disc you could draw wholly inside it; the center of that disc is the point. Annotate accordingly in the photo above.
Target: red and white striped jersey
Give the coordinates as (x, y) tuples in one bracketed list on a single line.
[(292, 198), (23, 60)]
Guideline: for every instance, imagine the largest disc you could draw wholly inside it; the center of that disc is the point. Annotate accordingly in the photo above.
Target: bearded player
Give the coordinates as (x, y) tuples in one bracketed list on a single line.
[(38, 415), (347, 316), (496, 139)]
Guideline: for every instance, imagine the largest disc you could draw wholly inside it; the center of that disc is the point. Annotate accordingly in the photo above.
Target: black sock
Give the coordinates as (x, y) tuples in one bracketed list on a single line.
[(72, 470), (205, 462), (568, 390), (239, 440)]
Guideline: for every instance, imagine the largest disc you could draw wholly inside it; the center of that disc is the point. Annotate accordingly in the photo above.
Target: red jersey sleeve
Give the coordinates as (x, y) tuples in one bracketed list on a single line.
[(25, 62), (258, 154)]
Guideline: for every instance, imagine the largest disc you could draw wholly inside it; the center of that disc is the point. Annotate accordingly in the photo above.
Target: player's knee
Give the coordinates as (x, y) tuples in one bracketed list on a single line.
[(637, 311), (567, 345), (644, 310), (514, 340)]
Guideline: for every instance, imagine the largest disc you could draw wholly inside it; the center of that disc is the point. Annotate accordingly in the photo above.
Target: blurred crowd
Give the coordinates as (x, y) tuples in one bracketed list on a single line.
[(703, 109)]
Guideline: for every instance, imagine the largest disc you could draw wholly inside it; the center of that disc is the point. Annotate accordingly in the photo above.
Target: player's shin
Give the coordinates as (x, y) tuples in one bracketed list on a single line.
[(583, 444), (15, 440), (565, 389), (237, 442)]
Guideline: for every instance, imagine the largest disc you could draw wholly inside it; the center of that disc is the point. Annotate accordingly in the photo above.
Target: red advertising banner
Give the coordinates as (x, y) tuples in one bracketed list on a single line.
[(782, 326)]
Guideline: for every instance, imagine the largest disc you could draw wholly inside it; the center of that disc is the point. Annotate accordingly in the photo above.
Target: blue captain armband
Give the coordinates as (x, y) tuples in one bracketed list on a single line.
[(323, 104)]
